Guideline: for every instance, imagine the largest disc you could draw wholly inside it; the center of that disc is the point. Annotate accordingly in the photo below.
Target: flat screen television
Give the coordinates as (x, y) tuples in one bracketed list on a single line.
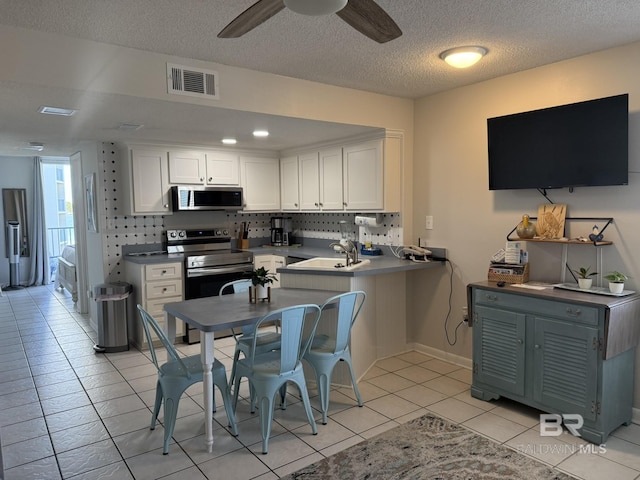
[(576, 145)]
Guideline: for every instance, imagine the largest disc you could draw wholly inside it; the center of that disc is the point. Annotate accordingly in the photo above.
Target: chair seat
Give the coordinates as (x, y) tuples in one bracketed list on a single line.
[(264, 340), (322, 344), (193, 364), (264, 364)]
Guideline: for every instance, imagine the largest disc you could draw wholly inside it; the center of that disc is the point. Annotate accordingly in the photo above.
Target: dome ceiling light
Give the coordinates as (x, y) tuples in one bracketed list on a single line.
[(315, 7), (463, 57)]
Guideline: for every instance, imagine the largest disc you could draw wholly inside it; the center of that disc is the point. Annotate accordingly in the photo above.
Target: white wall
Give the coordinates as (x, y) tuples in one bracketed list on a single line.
[(472, 222)]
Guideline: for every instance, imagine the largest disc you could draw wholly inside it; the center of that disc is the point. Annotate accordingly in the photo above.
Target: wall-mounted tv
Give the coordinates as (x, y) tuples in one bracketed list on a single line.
[(575, 145)]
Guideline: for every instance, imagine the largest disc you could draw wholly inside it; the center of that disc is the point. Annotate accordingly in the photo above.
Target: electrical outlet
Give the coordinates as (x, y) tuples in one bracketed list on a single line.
[(428, 224), (465, 314)]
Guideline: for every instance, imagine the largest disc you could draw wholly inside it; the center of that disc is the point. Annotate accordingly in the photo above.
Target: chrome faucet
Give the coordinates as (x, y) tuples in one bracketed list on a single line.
[(351, 251)]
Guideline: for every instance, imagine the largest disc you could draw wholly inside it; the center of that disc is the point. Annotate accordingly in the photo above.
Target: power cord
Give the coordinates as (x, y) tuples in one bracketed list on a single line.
[(446, 320)]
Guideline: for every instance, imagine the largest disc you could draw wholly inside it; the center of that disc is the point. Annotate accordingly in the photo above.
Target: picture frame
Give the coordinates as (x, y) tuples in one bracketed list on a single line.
[(90, 194), (551, 219)]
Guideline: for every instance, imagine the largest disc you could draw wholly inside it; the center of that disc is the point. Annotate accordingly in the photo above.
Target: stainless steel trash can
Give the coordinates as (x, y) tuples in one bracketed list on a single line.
[(112, 316)]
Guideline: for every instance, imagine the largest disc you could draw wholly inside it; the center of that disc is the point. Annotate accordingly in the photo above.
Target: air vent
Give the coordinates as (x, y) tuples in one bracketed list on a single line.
[(192, 81)]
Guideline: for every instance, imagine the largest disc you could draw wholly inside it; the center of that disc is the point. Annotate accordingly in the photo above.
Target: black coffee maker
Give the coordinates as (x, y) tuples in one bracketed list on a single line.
[(280, 231)]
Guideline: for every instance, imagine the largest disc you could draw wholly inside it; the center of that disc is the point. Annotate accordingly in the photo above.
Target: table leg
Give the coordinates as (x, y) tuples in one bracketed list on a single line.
[(206, 353), (170, 328)]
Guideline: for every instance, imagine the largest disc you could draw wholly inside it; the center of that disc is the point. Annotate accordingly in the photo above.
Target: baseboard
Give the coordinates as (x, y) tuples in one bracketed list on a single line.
[(442, 355)]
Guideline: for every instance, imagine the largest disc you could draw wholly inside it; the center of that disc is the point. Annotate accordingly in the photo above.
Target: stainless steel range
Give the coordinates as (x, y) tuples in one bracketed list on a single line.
[(209, 263)]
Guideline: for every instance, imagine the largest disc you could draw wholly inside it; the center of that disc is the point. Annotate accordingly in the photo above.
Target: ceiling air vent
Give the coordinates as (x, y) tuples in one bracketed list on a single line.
[(192, 81)]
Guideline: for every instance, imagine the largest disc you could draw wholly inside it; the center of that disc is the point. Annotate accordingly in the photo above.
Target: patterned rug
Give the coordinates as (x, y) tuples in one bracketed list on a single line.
[(428, 448)]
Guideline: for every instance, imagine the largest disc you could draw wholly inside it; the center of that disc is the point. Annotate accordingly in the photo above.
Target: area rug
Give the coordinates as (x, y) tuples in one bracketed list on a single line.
[(428, 448)]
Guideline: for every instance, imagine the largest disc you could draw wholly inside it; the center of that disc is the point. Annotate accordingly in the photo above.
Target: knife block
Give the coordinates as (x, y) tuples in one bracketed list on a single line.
[(243, 243)]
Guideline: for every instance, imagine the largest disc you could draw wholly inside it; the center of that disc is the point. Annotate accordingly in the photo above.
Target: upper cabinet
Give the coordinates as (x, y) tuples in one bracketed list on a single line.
[(203, 167), (289, 187), (363, 176), (146, 179), (260, 180), (363, 171)]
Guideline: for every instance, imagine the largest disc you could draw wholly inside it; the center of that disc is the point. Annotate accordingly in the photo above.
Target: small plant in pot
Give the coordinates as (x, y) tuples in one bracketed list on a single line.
[(261, 278), (584, 277), (616, 281)]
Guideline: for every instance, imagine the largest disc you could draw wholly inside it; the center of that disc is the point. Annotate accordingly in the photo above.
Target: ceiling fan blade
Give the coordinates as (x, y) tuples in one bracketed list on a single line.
[(253, 16), (370, 19)]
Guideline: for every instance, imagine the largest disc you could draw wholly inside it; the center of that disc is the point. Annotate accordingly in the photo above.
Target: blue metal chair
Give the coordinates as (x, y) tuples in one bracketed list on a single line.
[(269, 372), (175, 376), (267, 340), (326, 350)]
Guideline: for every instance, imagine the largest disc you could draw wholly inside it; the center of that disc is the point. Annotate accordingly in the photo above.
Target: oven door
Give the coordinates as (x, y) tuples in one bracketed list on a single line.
[(207, 282)]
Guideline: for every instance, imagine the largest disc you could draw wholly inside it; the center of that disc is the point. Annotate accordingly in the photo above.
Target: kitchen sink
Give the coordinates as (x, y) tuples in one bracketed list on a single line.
[(322, 263)]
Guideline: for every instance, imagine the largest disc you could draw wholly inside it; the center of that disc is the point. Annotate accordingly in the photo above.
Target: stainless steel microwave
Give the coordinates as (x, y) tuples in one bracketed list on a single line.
[(206, 198)]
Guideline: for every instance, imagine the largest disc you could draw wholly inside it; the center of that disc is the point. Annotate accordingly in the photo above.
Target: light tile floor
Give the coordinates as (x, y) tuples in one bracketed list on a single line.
[(66, 412)]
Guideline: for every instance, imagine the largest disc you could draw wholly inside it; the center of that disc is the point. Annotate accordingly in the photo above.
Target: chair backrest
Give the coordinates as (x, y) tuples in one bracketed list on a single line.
[(238, 286), (292, 321), (349, 305), (149, 323)]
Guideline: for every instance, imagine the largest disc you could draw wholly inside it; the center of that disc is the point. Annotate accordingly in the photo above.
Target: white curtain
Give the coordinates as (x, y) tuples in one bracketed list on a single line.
[(39, 271)]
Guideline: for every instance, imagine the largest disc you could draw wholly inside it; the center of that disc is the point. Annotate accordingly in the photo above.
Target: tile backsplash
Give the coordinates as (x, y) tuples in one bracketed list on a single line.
[(121, 230)]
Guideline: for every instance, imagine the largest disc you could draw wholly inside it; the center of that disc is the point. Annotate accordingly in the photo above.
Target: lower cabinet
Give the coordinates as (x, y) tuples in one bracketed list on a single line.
[(153, 286), (270, 263), (561, 352)]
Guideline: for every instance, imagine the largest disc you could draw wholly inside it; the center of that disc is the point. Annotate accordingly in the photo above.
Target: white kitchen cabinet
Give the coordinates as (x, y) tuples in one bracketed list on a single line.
[(289, 183), (203, 167), (260, 179), (153, 286), (331, 179), (222, 168), (187, 167), (363, 176), (146, 180), (270, 263), (321, 180), (309, 181)]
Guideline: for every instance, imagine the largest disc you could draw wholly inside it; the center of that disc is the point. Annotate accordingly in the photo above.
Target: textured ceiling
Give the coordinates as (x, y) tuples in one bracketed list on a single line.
[(519, 34)]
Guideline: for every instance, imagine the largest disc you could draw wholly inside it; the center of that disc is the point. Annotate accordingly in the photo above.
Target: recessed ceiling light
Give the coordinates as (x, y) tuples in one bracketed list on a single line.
[(65, 112), (34, 146), (229, 141), (260, 133), (463, 57)]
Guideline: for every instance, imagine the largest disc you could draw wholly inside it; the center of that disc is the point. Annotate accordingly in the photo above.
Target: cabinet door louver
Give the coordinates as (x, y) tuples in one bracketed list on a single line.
[(501, 347), (567, 364)]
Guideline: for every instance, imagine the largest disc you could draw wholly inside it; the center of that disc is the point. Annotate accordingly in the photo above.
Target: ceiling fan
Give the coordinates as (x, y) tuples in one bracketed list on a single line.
[(366, 16)]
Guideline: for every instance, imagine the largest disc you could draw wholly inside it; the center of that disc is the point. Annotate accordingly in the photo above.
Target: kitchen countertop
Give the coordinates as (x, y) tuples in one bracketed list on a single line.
[(380, 264)]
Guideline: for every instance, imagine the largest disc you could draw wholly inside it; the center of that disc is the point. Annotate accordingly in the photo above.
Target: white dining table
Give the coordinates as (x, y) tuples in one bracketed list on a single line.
[(212, 314)]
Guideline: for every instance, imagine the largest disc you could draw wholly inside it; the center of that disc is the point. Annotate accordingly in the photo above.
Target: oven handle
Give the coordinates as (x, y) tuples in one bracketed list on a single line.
[(203, 272)]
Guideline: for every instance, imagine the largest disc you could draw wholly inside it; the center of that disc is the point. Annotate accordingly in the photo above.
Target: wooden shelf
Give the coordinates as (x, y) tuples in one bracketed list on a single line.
[(571, 241)]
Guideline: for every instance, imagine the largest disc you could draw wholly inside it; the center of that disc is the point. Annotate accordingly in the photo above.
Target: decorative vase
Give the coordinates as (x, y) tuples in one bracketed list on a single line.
[(526, 228), (585, 283), (616, 287)]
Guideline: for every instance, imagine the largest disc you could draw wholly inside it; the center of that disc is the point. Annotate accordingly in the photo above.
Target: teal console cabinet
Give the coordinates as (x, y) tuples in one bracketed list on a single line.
[(560, 351)]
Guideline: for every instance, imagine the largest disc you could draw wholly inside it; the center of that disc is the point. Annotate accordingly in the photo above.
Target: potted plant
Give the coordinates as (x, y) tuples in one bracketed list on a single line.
[(584, 277), (616, 281), (260, 279)]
